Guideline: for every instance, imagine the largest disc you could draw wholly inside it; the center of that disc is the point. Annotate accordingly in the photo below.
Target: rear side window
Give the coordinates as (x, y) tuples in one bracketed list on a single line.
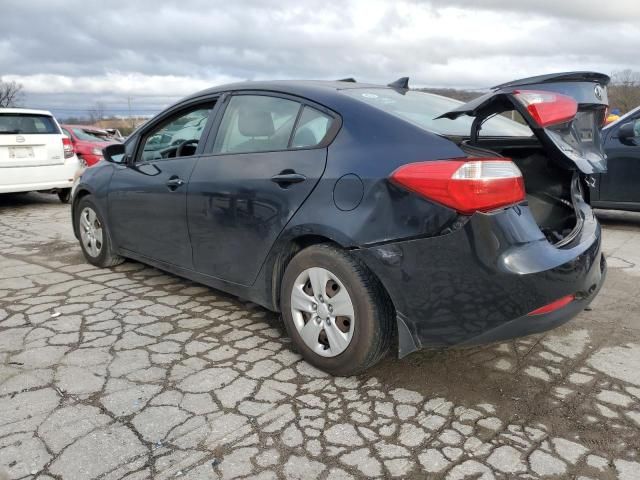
[(27, 124), (422, 109), (256, 123), (312, 127)]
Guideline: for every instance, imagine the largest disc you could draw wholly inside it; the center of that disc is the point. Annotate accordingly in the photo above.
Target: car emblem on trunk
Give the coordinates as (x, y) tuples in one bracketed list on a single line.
[(20, 139), (599, 91)]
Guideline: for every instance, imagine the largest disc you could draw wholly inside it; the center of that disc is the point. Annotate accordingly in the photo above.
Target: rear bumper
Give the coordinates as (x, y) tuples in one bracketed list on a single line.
[(479, 283), (46, 177)]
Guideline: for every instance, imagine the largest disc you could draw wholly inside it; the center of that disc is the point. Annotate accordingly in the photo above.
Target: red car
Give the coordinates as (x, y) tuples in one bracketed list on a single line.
[(88, 142)]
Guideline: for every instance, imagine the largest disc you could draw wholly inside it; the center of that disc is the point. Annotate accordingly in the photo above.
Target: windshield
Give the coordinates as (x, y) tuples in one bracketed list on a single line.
[(27, 124), (421, 109), (90, 135)]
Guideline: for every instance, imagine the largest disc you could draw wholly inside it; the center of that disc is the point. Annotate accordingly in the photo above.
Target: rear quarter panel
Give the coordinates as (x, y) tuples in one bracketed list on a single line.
[(368, 148)]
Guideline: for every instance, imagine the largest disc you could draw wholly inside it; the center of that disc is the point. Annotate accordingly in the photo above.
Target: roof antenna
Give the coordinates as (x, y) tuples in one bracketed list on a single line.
[(350, 80), (402, 83)]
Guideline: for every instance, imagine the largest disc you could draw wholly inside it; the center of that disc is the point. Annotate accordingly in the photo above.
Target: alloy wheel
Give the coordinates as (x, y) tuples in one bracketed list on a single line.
[(91, 232)]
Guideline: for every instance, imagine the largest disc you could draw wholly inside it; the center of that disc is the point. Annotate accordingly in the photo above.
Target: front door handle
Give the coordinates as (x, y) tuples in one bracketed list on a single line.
[(286, 179), (174, 182)]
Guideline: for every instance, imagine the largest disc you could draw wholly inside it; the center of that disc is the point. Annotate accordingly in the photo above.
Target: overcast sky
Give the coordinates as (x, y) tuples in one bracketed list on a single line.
[(69, 54)]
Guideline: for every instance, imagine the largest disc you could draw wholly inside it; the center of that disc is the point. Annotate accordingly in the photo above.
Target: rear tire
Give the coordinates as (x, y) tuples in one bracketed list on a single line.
[(95, 238), (64, 194), (337, 313)]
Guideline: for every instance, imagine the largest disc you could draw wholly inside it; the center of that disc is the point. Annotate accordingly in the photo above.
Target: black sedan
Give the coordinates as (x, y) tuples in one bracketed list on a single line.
[(619, 188), (370, 216)]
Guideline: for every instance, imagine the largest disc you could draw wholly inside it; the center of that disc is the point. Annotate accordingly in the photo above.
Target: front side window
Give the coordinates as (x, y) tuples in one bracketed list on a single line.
[(27, 124), (256, 123), (311, 129), (177, 136)]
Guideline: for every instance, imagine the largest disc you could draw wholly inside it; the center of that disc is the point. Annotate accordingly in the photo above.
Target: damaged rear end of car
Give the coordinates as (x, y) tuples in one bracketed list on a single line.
[(565, 113), (524, 252)]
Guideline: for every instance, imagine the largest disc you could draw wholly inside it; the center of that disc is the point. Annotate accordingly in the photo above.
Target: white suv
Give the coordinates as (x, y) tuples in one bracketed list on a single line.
[(35, 154)]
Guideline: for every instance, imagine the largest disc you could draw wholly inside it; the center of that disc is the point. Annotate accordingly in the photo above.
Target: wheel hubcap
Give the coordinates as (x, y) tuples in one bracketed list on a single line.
[(90, 232), (322, 312)]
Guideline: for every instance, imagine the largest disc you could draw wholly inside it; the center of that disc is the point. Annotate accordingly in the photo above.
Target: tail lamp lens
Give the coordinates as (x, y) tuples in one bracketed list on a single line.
[(466, 186), (67, 146), (547, 108), (553, 306)]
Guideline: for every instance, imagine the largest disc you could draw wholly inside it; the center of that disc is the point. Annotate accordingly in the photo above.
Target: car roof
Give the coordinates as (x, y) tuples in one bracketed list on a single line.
[(25, 110), (83, 127), (305, 88)]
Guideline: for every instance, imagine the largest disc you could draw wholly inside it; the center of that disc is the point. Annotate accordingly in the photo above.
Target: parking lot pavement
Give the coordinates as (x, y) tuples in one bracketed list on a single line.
[(132, 373)]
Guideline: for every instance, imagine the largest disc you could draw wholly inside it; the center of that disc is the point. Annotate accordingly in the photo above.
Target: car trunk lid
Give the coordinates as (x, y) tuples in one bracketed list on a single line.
[(545, 103)]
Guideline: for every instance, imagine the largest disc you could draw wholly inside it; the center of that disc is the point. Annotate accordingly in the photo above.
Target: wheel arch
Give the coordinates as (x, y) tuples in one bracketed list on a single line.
[(80, 194), (286, 251), (295, 244)]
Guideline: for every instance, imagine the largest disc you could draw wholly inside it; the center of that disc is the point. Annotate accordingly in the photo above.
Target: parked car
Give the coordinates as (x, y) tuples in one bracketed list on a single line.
[(88, 142), (619, 187), (34, 153), (360, 216), (115, 134)]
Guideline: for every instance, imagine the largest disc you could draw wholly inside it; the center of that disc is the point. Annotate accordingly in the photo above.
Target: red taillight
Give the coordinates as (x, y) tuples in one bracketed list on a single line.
[(67, 146), (553, 306), (467, 186), (547, 108)]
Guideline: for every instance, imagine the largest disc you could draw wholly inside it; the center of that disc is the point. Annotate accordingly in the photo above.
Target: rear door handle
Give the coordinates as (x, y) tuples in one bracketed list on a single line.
[(174, 182), (286, 179)]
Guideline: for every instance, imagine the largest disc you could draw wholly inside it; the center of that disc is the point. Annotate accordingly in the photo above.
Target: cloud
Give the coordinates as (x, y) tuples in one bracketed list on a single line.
[(115, 83), (595, 10), (79, 51)]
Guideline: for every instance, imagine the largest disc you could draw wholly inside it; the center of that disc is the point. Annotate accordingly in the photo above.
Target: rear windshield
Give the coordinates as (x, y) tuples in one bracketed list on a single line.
[(27, 124), (421, 109)]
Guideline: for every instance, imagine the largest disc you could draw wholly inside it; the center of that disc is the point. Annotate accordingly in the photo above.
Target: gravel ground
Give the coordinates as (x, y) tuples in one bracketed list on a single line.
[(133, 373)]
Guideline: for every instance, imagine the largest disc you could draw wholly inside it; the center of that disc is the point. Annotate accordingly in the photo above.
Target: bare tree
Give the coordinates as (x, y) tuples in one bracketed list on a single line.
[(624, 90), (10, 93), (96, 113)]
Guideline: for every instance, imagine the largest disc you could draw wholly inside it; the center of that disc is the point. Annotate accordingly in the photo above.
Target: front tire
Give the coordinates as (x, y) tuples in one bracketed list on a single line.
[(95, 239), (337, 313)]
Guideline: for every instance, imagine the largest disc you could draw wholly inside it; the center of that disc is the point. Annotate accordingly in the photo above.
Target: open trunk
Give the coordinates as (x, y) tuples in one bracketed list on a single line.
[(553, 192), (564, 112)]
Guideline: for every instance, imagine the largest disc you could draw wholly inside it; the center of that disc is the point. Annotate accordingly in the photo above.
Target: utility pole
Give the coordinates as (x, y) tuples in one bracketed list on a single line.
[(133, 125)]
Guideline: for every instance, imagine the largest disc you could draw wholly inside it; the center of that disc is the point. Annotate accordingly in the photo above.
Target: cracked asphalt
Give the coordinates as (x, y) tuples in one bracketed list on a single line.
[(133, 373)]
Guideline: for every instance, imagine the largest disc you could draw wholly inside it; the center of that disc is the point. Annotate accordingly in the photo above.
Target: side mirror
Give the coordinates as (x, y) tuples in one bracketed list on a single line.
[(629, 130), (114, 153)]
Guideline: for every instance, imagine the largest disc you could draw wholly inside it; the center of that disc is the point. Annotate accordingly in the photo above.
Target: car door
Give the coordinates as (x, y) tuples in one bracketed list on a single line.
[(267, 156), (621, 183), (148, 195)]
